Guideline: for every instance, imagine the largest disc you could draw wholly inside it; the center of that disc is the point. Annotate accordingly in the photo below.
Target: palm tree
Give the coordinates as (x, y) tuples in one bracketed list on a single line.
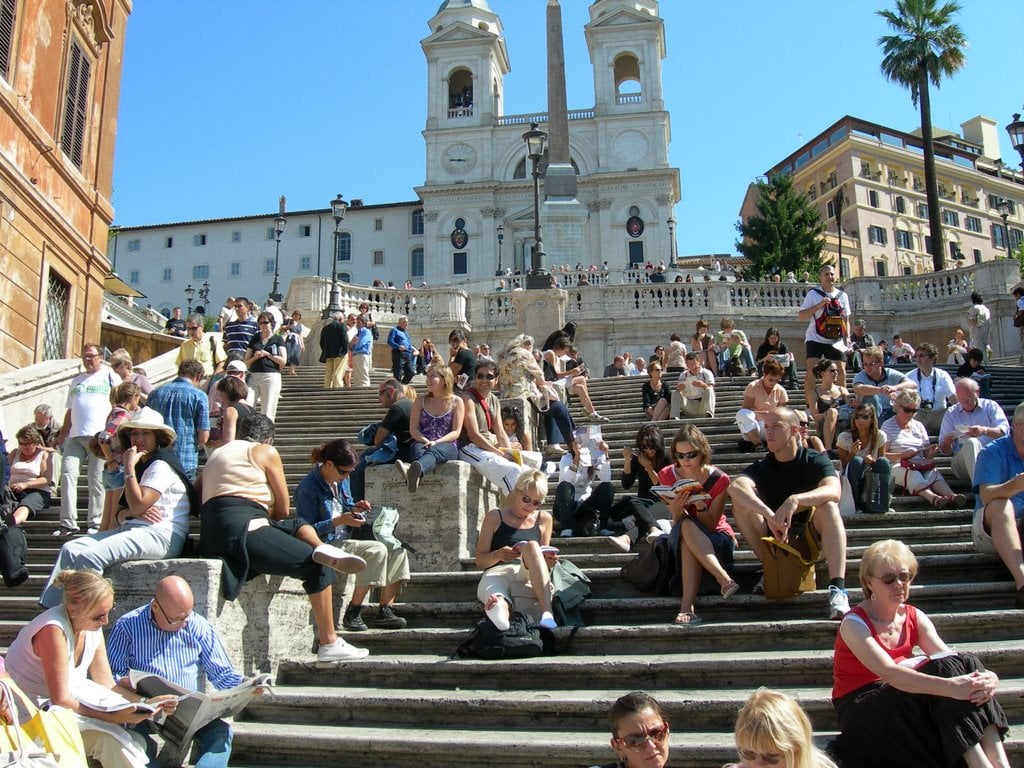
[(927, 46)]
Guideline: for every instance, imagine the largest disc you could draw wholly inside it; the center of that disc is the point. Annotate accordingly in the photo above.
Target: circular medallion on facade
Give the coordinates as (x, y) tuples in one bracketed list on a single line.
[(629, 146), (458, 159), (460, 238), (634, 226)]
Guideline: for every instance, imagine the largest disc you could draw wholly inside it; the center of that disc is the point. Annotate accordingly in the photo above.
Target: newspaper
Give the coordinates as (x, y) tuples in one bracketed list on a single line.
[(195, 709)]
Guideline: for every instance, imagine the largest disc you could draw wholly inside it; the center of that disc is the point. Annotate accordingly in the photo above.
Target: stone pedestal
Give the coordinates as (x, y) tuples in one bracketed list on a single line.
[(441, 520), (564, 220), (538, 313), (271, 620)]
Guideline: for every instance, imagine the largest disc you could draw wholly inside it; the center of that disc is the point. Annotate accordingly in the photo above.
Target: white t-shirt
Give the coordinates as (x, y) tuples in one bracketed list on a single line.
[(89, 401), (812, 299), (173, 501), (938, 386), (979, 316)]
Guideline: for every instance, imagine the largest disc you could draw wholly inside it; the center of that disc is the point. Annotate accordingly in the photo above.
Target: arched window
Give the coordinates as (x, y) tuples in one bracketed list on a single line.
[(522, 173), (344, 247), (417, 222), (460, 93), (416, 263), (627, 79)]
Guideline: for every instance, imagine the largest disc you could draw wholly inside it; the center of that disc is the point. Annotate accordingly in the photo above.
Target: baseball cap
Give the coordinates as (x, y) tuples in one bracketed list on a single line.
[(236, 365)]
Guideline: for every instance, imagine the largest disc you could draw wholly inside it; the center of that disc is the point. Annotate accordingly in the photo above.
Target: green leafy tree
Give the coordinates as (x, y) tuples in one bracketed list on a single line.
[(787, 234), (926, 47)]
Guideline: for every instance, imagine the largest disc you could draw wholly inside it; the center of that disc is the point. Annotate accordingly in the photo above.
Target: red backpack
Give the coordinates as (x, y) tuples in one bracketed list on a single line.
[(830, 323)]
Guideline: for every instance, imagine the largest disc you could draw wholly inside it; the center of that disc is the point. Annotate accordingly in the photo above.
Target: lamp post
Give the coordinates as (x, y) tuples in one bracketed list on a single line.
[(501, 239), (338, 208), (1003, 206), (279, 222), (189, 293), (1016, 131), (671, 241), (204, 294), (538, 277)]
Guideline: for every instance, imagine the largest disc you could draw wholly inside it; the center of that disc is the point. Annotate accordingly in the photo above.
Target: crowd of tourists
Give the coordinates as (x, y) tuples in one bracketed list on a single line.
[(203, 444)]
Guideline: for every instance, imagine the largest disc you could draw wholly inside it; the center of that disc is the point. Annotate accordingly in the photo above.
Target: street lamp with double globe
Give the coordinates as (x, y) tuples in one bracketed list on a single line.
[(1003, 206), (1016, 131), (190, 292), (338, 209), (275, 292), (501, 239), (538, 277)]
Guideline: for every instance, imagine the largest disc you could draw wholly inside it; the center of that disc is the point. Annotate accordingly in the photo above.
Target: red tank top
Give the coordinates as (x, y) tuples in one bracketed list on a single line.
[(849, 673)]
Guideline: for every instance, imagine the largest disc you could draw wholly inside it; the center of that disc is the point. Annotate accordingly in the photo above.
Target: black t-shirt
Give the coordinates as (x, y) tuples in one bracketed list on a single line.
[(467, 360), (176, 327), (777, 480), (396, 421), (274, 345)]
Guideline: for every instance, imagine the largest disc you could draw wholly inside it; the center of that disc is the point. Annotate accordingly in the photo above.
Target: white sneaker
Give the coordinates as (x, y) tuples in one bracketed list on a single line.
[(838, 603), (547, 621), (403, 470), (340, 650), (338, 559)]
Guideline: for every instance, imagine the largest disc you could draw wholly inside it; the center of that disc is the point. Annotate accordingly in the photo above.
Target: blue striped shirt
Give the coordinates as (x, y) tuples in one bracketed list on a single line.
[(136, 642), (238, 333)]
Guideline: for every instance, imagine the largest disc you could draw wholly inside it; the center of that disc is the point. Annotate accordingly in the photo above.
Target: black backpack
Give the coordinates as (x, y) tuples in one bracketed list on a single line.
[(652, 569), (13, 544), (520, 641)]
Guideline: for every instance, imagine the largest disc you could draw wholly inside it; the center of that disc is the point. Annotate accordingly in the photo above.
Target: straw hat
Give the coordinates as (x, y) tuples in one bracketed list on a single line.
[(147, 418)]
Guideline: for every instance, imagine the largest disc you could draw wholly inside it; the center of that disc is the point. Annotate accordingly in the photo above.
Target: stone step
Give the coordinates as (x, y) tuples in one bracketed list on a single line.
[(678, 670), (748, 631), (584, 710)]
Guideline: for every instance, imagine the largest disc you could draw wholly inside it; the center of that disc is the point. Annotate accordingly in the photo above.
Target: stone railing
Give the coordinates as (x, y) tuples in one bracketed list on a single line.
[(423, 306)]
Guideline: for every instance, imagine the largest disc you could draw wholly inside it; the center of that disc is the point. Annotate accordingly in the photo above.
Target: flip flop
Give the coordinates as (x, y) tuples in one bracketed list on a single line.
[(686, 619)]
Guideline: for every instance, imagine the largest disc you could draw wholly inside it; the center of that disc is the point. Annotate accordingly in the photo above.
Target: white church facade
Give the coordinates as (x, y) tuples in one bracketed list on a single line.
[(473, 216)]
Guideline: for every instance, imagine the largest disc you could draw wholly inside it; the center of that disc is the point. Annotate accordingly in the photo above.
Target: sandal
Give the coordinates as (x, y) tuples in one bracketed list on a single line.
[(729, 589), (957, 500), (941, 502), (687, 619)]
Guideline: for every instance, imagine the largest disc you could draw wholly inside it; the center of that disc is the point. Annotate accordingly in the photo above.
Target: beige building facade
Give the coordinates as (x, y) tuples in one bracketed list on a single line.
[(880, 172), (60, 71)]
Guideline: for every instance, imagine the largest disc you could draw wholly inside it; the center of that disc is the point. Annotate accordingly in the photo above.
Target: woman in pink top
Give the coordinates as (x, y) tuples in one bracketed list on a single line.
[(895, 708), (435, 425), (706, 541)]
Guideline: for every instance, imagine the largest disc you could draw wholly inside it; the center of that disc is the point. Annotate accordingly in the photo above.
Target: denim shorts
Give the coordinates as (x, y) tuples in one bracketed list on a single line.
[(113, 479)]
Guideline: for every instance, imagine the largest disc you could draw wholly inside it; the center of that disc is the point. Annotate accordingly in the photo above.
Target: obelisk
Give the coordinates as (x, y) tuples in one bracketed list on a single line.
[(564, 216)]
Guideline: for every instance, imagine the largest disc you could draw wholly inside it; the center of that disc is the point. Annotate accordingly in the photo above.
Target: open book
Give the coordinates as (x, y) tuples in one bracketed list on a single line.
[(95, 696), (695, 488), (195, 709), (544, 550), (913, 662)]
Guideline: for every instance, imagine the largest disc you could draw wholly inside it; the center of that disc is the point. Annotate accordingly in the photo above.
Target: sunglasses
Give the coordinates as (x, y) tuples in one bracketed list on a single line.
[(531, 502), (905, 577), (863, 417), (486, 377), (192, 327), (638, 741), (689, 455), (240, 306), (750, 756), (908, 410), (265, 322)]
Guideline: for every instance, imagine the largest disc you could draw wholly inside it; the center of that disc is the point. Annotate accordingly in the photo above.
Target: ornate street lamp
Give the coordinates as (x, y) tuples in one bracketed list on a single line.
[(538, 277), (1003, 206), (672, 241), (189, 293), (338, 209), (279, 222), (1016, 131), (204, 294), (501, 239)]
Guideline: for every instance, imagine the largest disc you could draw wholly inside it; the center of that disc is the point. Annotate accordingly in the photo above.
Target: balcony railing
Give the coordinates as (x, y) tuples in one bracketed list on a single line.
[(629, 98)]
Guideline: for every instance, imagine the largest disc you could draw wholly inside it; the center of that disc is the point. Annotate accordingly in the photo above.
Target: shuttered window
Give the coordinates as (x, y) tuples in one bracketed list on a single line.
[(6, 37), (76, 101)]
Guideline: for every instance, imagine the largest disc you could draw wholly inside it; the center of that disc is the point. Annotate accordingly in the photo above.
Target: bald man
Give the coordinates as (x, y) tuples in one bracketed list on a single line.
[(164, 637)]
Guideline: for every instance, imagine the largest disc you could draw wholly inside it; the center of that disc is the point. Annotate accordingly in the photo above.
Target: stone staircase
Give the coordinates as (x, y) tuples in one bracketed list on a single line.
[(408, 705)]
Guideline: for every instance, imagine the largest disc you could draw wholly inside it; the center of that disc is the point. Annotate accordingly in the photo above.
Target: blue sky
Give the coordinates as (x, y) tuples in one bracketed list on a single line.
[(226, 105)]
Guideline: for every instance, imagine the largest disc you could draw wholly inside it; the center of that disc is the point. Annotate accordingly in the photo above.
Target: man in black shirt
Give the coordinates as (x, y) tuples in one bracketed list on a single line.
[(395, 422), (775, 495), (175, 326)]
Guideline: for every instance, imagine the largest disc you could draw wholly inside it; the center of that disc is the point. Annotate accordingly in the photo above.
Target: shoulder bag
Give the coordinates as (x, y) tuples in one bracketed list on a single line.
[(48, 739)]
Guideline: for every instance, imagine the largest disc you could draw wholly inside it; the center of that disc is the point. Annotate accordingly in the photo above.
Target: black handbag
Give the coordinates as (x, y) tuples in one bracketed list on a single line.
[(651, 570)]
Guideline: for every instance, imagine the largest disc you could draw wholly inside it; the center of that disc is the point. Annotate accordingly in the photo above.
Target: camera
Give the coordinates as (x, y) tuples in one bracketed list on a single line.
[(926, 405)]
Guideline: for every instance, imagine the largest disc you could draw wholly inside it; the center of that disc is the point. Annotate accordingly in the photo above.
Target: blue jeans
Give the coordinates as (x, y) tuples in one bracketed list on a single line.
[(559, 423), (213, 744), (431, 457)]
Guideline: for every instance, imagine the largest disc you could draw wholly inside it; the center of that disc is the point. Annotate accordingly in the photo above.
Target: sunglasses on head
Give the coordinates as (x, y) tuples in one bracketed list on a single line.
[(638, 741), (749, 756)]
